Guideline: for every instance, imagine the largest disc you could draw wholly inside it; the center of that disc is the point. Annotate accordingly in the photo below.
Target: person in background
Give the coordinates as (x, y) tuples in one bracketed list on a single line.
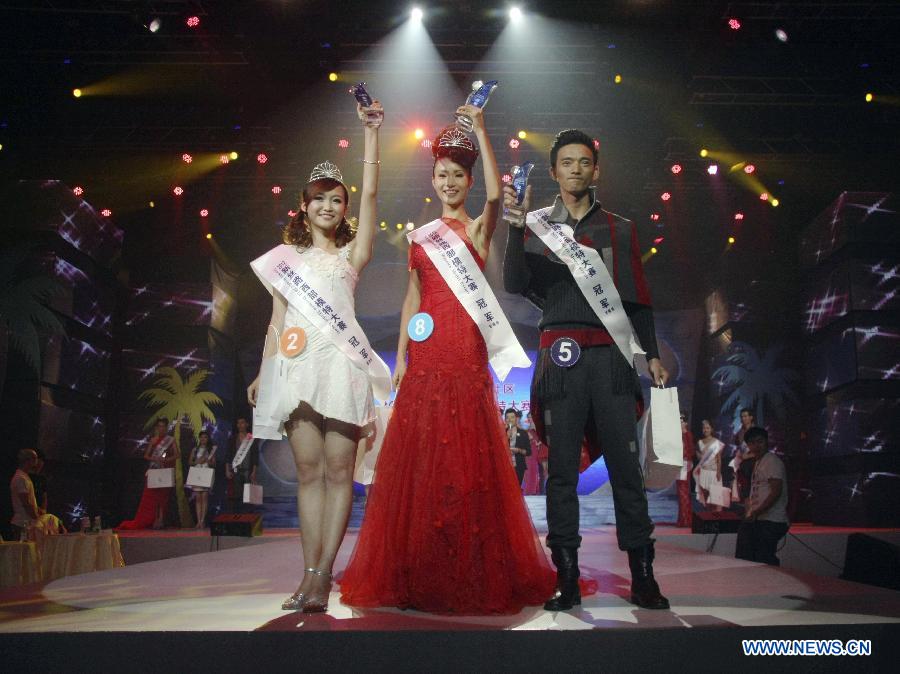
[(765, 519), (541, 453), (708, 472), (204, 454), (25, 507), (519, 444), (161, 452), (742, 463), (684, 478), (245, 471), (48, 523)]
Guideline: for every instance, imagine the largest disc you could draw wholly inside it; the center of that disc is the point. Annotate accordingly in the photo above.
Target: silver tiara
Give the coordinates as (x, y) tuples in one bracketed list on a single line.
[(326, 170), (453, 137)]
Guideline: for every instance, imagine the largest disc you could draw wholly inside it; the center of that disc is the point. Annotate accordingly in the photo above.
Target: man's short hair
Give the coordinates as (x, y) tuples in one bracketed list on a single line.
[(25, 454), (570, 137), (164, 420), (514, 411), (755, 433), (748, 411)]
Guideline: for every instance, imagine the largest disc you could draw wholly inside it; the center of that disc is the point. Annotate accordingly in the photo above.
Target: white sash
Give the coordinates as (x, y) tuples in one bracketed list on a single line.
[(242, 451), (283, 269), (462, 274), (592, 278)]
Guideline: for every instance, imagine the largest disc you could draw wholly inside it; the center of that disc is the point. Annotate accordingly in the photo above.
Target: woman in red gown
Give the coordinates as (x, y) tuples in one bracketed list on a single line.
[(446, 529), (161, 452)]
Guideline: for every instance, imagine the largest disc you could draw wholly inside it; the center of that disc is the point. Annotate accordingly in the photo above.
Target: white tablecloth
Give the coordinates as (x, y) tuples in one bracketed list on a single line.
[(19, 564), (71, 554)]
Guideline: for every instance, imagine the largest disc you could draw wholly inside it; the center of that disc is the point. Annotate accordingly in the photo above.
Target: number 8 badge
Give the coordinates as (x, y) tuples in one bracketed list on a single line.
[(420, 327), (565, 352)]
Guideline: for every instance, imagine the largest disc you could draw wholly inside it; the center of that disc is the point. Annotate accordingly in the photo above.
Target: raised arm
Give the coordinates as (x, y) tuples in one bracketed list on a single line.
[(493, 187), (410, 306), (361, 252)]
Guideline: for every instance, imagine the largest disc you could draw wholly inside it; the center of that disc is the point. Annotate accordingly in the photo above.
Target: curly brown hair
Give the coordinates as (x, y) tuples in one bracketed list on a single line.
[(296, 232)]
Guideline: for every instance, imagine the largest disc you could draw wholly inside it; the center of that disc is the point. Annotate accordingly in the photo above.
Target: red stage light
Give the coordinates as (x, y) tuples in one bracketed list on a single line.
[(193, 21), (506, 178), (292, 214), (596, 144), (178, 191), (223, 159), (186, 158), (204, 213), (654, 216), (276, 189), (738, 216), (665, 196), (676, 168), (78, 191), (262, 158), (749, 168), (106, 212), (658, 240), (343, 143), (734, 24), (514, 143), (764, 196)]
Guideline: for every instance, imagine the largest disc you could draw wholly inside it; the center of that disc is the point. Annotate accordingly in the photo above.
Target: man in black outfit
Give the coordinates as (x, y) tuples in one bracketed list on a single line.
[(586, 388), (519, 444)]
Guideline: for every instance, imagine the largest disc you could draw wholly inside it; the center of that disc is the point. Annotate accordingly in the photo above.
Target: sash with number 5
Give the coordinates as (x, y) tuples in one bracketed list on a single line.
[(462, 274), (283, 269), (592, 278)]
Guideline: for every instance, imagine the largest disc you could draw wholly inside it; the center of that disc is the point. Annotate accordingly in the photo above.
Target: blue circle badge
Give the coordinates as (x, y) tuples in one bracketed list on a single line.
[(565, 352), (420, 327)]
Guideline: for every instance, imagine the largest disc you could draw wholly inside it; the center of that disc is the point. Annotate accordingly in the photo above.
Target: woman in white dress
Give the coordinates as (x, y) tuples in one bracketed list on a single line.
[(708, 472), (204, 454), (328, 398)]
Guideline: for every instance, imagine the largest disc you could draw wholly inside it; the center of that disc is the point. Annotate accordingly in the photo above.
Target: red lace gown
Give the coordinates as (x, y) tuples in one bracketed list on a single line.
[(446, 528)]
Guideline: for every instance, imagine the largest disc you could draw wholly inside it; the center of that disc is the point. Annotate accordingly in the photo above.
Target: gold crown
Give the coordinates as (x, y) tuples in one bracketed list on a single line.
[(326, 170), (453, 137)]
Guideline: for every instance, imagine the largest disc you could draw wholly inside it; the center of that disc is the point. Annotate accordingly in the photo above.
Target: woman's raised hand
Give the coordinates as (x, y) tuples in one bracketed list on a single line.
[(371, 116), (474, 113)]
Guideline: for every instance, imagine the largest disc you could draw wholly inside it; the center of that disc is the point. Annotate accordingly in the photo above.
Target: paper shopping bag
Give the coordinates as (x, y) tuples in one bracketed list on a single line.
[(159, 478), (201, 476), (665, 426), (720, 496), (253, 493)]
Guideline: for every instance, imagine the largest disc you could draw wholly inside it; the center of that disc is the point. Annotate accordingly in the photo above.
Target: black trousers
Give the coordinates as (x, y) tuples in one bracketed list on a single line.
[(521, 467), (757, 541), (589, 400)]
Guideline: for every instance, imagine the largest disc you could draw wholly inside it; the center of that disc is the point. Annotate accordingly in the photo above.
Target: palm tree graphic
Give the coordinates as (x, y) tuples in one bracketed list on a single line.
[(756, 383), (181, 400)]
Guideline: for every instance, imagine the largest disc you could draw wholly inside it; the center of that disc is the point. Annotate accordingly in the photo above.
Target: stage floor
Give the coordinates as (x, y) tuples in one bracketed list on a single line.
[(241, 590)]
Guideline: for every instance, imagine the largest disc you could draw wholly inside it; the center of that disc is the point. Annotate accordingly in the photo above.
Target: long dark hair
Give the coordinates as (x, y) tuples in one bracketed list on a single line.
[(297, 233)]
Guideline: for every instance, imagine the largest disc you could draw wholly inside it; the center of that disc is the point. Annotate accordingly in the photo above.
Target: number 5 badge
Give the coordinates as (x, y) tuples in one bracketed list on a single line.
[(565, 352), (420, 327)]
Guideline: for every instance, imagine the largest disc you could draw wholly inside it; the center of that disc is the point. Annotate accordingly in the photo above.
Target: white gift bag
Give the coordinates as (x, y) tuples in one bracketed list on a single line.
[(158, 478), (201, 476), (267, 414), (720, 496), (253, 493), (665, 426)]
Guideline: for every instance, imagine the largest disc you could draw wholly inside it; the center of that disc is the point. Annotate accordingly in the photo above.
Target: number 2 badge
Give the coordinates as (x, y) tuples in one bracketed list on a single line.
[(292, 342), (420, 327), (565, 352)]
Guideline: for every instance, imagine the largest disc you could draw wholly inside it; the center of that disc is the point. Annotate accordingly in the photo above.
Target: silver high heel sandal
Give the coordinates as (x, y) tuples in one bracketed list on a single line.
[(295, 601), (320, 606)]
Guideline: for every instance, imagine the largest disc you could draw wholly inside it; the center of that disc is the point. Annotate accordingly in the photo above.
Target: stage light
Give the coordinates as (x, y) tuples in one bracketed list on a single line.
[(738, 216), (658, 240), (764, 196), (676, 169), (152, 205), (704, 152), (399, 225), (332, 77), (410, 226), (416, 14), (596, 144), (204, 212), (178, 191), (232, 155), (712, 169), (730, 239), (654, 216), (869, 98), (515, 14), (343, 143), (419, 134), (353, 188), (506, 178), (781, 34), (76, 93), (514, 143), (154, 25), (426, 143), (749, 168), (292, 214), (427, 200), (653, 250), (193, 21), (106, 212), (734, 24), (208, 236), (617, 79), (78, 191), (522, 135), (665, 196), (774, 203), (223, 159), (186, 158), (262, 158), (383, 225), (276, 189)]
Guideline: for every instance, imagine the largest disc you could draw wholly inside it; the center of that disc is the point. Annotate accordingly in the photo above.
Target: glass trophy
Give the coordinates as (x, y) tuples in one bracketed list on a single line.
[(481, 92), (364, 99), (516, 216)]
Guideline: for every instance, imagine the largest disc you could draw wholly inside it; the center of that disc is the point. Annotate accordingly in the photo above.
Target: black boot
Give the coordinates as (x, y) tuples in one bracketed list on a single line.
[(568, 594), (644, 589)]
